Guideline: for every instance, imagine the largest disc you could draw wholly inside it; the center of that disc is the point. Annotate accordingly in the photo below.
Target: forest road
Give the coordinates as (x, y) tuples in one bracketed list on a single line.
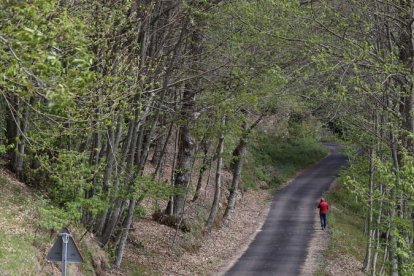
[(280, 248)]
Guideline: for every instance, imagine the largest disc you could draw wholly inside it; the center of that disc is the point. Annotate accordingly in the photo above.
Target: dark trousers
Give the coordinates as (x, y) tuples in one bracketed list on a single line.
[(323, 220)]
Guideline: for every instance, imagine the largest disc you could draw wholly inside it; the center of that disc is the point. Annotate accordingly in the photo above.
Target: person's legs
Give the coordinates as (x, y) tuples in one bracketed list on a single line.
[(323, 221), (321, 216)]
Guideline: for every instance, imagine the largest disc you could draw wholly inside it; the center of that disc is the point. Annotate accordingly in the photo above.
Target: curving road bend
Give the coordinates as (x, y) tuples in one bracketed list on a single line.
[(280, 247)]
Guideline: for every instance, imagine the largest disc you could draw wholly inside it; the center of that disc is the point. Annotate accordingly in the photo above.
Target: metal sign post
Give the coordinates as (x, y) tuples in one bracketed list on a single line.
[(64, 250), (65, 240)]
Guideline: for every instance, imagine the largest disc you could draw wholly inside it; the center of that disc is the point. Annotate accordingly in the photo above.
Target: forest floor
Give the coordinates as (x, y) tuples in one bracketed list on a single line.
[(156, 249)]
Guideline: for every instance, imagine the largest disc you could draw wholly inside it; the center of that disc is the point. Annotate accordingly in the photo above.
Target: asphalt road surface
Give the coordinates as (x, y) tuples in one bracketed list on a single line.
[(280, 247)]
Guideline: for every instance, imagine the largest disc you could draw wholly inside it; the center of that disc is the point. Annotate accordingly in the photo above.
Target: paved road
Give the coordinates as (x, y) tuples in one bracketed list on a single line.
[(280, 247)]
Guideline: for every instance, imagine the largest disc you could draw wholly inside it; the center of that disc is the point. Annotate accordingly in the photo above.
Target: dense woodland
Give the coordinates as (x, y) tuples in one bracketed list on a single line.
[(93, 93)]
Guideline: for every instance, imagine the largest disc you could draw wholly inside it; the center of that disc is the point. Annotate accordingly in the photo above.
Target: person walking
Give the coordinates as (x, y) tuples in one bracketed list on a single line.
[(323, 212)]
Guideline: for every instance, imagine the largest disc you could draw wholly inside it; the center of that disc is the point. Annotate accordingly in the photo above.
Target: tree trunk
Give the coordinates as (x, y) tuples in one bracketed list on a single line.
[(378, 236), (202, 170), (367, 261), (384, 257), (237, 165), (185, 152), (21, 144), (170, 206), (371, 232), (116, 210), (183, 170), (217, 190), (113, 139), (12, 119), (111, 222), (158, 169), (124, 234), (393, 211)]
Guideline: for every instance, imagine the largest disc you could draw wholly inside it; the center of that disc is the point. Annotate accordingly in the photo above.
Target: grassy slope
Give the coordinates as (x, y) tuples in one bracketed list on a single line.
[(17, 254), (346, 223), (23, 246), (272, 161)]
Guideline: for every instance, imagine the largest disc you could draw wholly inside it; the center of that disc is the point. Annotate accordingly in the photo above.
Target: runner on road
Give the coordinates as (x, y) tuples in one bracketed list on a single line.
[(323, 211)]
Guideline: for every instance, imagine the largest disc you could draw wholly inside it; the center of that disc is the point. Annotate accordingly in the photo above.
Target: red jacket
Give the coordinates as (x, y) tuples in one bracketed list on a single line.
[(323, 207)]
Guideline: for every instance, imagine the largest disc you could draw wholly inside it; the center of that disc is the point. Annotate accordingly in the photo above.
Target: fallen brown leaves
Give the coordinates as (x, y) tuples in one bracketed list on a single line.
[(153, 247)]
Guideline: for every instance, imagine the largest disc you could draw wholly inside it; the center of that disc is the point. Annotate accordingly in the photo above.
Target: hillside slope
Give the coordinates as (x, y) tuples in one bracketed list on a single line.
[(17, 230), (24, 240)]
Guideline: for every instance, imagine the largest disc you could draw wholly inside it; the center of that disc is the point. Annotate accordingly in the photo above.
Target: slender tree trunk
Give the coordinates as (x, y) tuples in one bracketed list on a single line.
[(238, 157), (21, 144), (87, 218), (368, 254), (170, 206), (111, 222), (393, 250), (12, 119), (217, 190), (202, 170), (371, 232), (112, 149), (377, 237), (158, 169), (237, 166), (210, 167), (156, 156), (129, 139), (392, 240), (116, 210), (182, 172), (384, 259), (124, 234)]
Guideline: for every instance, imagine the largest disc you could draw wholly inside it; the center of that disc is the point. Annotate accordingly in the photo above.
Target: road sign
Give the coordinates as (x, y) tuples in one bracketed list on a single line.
[(64, 250)]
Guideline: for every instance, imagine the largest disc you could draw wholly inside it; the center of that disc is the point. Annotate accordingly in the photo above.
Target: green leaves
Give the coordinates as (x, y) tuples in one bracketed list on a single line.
[(46, 51), (52, 217), (147, 187)]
